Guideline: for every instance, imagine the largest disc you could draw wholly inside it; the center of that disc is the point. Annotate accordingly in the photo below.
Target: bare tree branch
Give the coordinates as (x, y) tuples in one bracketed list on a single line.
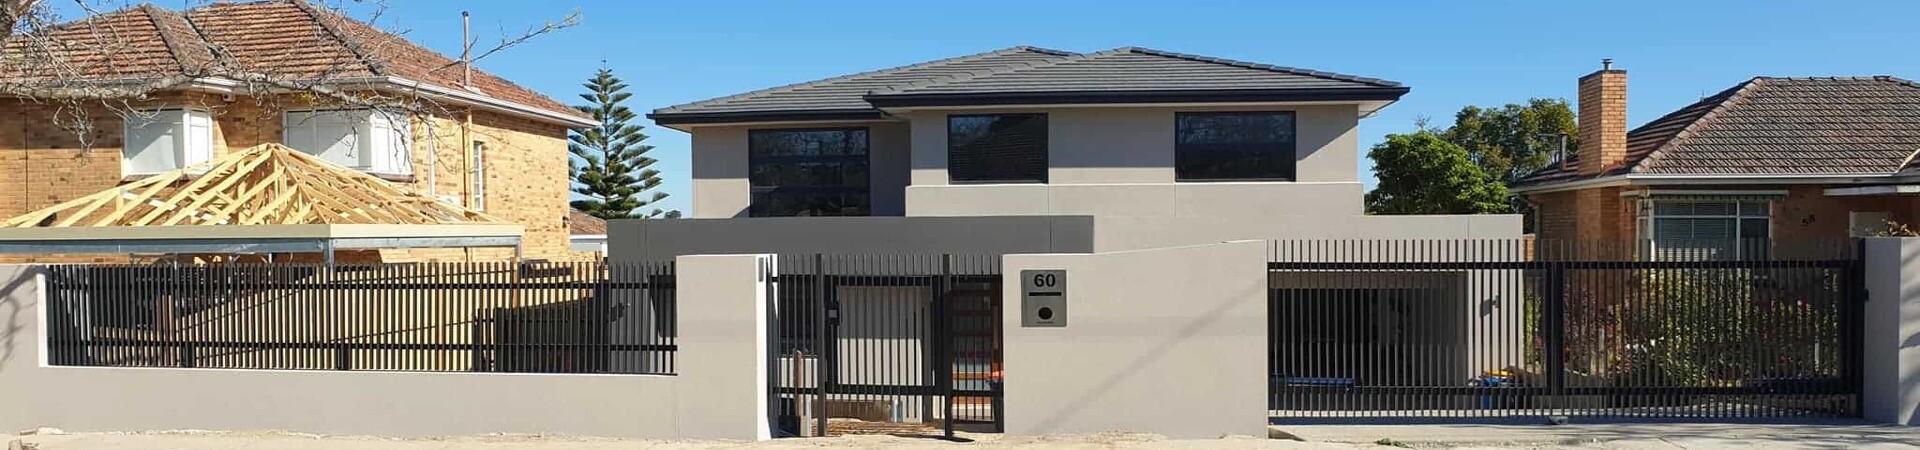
[(91, 63)]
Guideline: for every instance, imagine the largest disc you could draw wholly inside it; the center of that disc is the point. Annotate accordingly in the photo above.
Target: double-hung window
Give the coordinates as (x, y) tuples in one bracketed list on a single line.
[(479, 200), (1709, 229), (167, 139), (810, 172), (1234, 146), (997, 148), (372, 141)]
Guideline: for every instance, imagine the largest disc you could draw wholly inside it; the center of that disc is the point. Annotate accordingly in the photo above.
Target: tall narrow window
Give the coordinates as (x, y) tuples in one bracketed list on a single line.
[(997, 148), (479, 200), (168, 139), (365, 139), (1710, 230), (816, 172), (1234, 146)]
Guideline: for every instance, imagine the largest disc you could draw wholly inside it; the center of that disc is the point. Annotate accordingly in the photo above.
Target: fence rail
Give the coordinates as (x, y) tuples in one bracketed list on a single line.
[(435, 317), (1512, 327)]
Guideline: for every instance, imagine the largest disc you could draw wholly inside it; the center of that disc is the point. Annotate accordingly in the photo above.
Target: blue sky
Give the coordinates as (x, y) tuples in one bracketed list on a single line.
[(1451, 53)]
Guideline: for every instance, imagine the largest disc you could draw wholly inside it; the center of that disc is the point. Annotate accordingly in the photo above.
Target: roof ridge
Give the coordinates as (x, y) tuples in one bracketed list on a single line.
[(354, 46), (1732, 95), (1260, 66), (1139, 50), (963, 76), (168, 39), (895, 69)]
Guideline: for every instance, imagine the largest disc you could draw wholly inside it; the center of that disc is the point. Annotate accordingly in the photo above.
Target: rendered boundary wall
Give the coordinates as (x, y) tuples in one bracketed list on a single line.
[(1891, 393), (719, 392), (1170, 341)]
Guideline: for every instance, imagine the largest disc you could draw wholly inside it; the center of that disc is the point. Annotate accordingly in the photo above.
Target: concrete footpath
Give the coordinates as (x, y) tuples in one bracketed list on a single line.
[(1836, 434), (1599, 436)]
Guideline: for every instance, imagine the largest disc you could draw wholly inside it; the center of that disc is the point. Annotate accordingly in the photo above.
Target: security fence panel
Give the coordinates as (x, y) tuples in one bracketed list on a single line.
[(1480, 328), (428, 317)]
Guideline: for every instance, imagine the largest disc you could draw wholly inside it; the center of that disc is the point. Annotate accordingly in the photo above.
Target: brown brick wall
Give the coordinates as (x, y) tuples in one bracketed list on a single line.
[(1806, 213), (42, 164), (1603, 120)]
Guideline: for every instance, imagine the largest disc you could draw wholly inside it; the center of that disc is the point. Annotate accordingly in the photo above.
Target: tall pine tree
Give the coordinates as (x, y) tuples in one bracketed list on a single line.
[(613, 168)]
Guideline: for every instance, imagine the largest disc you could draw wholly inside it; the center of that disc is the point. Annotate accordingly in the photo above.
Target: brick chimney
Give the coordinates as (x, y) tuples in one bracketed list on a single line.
[(1603, 119)]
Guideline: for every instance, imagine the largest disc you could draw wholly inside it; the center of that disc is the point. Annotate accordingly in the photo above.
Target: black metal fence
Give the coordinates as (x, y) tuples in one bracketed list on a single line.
[(435, 317), (1512, 327), (888, 343)]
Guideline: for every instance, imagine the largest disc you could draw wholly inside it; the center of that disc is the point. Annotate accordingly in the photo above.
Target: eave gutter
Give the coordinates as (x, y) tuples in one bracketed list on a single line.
[(224, 85), (1713, 180), (490, 102), (1158, 96), (672, 118)]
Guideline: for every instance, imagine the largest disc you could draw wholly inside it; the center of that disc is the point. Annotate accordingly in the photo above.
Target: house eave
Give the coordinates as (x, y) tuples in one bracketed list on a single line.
[(683, 121), (490, 102), (229, 86), (1137, 97), (1713, 180), (1888, 189)]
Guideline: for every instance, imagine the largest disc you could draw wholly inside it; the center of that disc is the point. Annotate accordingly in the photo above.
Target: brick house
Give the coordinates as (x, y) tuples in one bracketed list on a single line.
[(468, 138), (1744, 170)]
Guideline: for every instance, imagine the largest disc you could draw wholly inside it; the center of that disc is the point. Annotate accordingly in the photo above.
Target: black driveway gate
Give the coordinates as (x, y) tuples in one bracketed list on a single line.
[(893, 344), (1513, 328)]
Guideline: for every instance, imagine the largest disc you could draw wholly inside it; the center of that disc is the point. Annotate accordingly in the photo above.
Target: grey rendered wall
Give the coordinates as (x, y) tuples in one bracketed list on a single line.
[(1114, 233), (718, 370), (651, 240), (1119, 161), (1892, 351), (721, 190), (1169, 341)]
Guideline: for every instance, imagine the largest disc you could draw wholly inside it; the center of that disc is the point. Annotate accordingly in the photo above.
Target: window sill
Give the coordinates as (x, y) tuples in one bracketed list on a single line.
[(993, 182), (1236, 180), (394, 177), (132, 177)]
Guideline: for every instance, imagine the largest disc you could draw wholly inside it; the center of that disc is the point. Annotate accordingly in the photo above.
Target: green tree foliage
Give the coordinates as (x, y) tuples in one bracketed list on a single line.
[(1421, 173), (612, 171), (1511, 141)]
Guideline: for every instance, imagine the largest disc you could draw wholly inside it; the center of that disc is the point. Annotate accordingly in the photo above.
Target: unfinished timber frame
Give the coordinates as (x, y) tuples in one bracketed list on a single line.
[(266, 199)]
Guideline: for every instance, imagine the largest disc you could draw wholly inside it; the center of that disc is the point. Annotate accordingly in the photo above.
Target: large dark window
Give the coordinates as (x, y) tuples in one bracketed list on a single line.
[(1234, 146), (819, 172), (998, 148)]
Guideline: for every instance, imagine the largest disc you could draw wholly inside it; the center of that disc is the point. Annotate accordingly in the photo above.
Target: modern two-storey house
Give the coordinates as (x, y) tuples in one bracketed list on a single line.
[(1038, 150), (1030, 150)]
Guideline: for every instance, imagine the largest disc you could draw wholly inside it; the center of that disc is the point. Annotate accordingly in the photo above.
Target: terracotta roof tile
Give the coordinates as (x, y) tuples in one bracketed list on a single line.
[(1770, 126), (581, 223), (284, 39)]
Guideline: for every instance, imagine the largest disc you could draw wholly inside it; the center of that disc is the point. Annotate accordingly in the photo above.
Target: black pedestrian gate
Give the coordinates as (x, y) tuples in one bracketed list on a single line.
[(1514, 328), (887, 344)]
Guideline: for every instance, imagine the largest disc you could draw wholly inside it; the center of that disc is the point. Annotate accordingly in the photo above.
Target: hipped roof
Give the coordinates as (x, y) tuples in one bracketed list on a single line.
[(284, 39), (1032, 75), (1772, 126)]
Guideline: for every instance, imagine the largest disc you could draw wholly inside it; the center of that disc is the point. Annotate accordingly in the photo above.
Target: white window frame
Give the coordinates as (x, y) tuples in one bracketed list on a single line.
[(1650, 219), (192, 140), (382, 142), (479, 200)]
